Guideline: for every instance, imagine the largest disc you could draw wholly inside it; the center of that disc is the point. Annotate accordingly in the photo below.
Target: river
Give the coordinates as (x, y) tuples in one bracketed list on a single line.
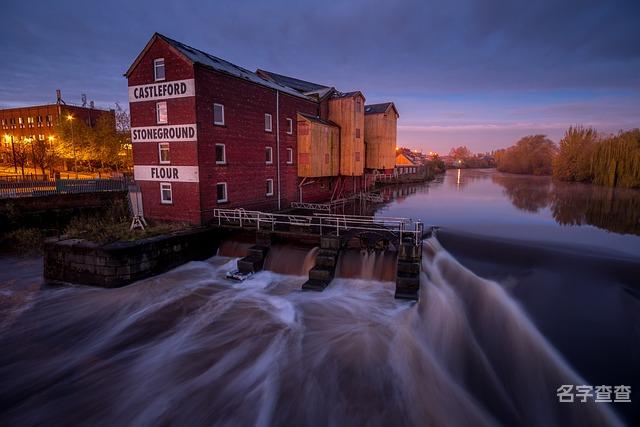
[(527, 285)]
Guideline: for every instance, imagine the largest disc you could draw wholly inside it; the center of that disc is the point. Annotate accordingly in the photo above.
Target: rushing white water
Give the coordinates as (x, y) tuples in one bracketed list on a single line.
[(190, 348)]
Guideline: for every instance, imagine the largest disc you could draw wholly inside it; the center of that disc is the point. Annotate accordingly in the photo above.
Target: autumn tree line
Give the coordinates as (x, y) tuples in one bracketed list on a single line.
[(583, 155)]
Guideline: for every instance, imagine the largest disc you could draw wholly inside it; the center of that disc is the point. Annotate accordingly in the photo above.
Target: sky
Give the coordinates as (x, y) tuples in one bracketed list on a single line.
[(461, 72)]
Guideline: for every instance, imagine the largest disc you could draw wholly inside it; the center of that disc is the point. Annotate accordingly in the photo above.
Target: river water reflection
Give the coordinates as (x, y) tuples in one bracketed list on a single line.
[(486, 202)]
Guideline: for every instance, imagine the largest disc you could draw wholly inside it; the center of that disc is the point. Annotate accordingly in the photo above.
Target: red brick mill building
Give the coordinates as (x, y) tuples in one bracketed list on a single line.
[(208, 134)]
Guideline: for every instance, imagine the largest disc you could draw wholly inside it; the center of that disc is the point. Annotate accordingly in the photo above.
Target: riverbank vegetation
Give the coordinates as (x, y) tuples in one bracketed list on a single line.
[(583, 155), (532, 155)]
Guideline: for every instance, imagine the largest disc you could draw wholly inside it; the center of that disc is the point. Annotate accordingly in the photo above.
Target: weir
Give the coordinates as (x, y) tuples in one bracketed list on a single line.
[(332, 233)]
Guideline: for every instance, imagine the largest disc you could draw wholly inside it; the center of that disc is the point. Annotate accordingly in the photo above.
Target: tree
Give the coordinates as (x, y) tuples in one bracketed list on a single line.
[(531, 155), (460, 153), (46, 154), (575, 155)]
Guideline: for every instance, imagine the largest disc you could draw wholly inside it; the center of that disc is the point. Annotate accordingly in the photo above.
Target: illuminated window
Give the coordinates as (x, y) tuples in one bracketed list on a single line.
[(269, 187), (158, 69), (164, 153), (221, 192), (221, 155), (218, 114), (161, 113), (289, 156), (41, 137), (166, 196), (267, 122), (289, 126), (268, 155)]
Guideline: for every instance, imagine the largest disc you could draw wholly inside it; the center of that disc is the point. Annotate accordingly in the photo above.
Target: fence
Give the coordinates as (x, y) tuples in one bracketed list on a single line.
[(320, 223), (34, 188)]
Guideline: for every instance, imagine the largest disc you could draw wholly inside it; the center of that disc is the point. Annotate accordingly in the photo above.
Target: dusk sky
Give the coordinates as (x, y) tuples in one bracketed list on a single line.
[(461, 72)]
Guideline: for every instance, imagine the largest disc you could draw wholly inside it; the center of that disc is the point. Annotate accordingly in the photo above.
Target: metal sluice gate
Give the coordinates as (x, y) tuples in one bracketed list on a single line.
[(333, 231)]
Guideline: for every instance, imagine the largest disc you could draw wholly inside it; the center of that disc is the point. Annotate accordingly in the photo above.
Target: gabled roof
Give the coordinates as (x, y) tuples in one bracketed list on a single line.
[(317, 119), (202, 58), (380, 108), (297, 84), (347, 94)]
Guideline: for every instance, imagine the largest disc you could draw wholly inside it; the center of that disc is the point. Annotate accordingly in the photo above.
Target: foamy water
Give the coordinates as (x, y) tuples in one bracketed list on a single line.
[(191, 348)]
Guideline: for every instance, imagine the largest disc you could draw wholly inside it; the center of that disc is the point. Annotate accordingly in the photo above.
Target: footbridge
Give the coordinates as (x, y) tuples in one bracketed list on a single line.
[(333, 233)]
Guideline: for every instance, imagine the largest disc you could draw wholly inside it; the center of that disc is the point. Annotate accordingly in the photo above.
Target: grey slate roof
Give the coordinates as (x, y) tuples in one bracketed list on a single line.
[(319, 120), (379, 108), (297, 84), (218, 64)]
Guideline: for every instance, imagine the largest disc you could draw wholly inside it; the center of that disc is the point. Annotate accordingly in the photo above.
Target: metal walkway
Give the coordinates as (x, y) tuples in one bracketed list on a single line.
[(321, 224)]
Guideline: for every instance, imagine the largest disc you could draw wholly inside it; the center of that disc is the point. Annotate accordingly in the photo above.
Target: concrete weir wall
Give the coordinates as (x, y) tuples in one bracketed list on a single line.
[(120, 263)]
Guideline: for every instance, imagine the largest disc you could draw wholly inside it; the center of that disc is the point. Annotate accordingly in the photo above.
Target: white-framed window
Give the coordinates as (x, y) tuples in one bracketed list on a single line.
[(164, 153), (221, 192), (158, 69), (218, 114), (268, 125), (161, 113), (268, 155), (289, 156), (289, 126), (269, 187), (166, 196), (221, 154)]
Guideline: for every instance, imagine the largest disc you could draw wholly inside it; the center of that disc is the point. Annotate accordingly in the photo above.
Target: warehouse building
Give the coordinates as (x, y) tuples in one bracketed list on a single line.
[(208, 134)]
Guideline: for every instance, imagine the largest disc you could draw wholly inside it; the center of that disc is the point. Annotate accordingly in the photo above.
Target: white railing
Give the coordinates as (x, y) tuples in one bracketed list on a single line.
[(321, 223)]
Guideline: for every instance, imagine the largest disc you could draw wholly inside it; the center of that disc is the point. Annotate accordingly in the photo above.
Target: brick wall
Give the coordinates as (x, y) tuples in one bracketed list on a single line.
[(186, 195), (245, 139)]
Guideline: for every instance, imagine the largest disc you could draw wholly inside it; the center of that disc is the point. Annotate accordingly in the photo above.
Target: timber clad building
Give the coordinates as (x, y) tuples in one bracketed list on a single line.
[(208, 134)]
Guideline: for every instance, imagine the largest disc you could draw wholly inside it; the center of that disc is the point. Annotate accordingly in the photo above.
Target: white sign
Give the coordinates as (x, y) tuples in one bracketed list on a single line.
[(162, 90), (166, 173), (178, 133)]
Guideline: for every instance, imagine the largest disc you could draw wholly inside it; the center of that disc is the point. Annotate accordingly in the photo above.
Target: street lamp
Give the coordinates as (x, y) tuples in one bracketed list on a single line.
[(73, 144), (13, 152)]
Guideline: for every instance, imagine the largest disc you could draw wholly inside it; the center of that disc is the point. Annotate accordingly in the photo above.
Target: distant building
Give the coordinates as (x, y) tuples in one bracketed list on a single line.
[(209, 134), (407, 161), (40, 122)]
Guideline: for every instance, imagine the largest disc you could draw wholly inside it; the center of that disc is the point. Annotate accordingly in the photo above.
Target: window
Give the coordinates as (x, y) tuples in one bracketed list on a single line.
[(41, 137), (218, 114), (357, 156), (161, 113), (221, 191), (268, 154), (358, 106), (158, 69), (49, 120), (164, 153), (30, 121), (289, 156), (39, 121), (269, 187), (289, 126), (267, 122), (357, 133), (221, 155), (166, 198)]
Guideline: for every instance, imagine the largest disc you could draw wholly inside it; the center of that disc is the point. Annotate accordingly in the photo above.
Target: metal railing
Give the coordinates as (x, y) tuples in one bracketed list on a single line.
[(320, 223), (16, 189), (319, 206)]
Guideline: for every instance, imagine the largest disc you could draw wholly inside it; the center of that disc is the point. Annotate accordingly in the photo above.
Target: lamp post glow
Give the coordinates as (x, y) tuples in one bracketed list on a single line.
[(73, 144), (13, 152)]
